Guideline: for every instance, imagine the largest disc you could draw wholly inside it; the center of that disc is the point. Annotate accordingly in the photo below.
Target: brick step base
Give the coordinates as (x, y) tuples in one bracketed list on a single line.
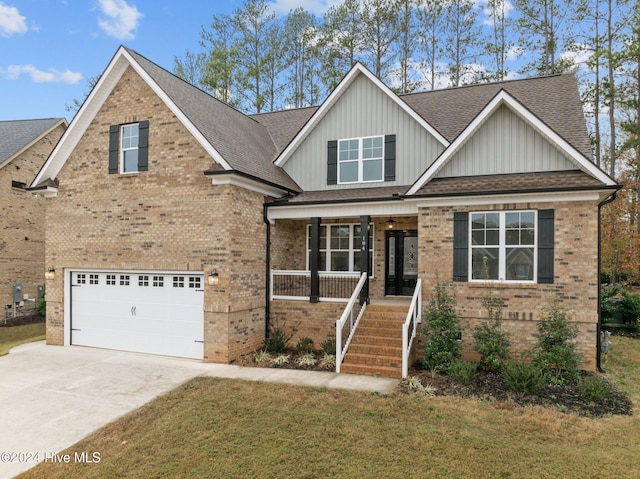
[(377, 371)]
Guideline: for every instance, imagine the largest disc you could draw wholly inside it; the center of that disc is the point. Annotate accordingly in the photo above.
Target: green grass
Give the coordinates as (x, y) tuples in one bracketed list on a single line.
[(15, 335), (222, 428)]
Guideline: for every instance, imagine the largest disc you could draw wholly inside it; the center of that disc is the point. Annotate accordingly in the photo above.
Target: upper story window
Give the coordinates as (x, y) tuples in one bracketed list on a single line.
[(130, 137), (361, 160), (128, 147), (503, 246)]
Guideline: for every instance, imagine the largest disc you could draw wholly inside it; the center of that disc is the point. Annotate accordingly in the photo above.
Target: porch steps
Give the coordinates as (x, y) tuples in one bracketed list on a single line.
[(376, 348)]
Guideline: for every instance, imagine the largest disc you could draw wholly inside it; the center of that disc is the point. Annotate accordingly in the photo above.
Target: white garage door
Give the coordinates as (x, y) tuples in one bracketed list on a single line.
[(148, 312)]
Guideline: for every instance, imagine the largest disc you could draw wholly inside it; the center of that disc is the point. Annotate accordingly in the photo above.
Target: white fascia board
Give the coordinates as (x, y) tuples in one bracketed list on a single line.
[(503, 98), (486, 200), (48, 192), (107, 82), (336, 94), (33, 142), (208, 147), (341, 210), (248, 184)]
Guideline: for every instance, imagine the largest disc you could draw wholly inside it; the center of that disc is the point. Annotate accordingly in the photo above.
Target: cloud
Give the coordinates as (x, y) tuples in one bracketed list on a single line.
[(38, 76), (11, 21), (120, 19), (317, 7)]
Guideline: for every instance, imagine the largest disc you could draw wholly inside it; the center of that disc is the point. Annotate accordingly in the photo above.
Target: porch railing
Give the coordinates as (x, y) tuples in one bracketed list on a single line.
[(410, 326), (348, 322), (294, 285)]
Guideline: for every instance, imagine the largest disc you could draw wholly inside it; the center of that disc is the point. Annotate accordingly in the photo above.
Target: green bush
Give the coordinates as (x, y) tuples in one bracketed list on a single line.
[(329, 345), (305, 345), (41, 307), (463, 372), (490, 341), (277, 340), (595, 389), (523, 378), (620, 306), (555, 348), (441, 328)]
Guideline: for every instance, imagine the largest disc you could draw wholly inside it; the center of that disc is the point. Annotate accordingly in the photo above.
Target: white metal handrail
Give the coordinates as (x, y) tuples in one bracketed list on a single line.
[(409, 328), (348, 315)]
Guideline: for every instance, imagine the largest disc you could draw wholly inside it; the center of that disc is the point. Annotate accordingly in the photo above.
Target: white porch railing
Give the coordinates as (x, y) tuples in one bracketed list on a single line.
[(409, 328), (348, 322), (295, 285)]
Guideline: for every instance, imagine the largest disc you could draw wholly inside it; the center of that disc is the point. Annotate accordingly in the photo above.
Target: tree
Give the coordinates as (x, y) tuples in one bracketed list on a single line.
[(498, 46), (430, 30), (380, 32), (302, 36), (460, 43), (407, 42), (76, 104)]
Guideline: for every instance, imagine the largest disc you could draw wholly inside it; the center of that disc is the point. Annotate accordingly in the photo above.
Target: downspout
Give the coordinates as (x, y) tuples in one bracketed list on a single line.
[(267, 306), (606, 201)]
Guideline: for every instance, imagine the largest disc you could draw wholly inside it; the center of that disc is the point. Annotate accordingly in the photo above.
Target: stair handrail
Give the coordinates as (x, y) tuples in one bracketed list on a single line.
[(410, 326), (347, 314)]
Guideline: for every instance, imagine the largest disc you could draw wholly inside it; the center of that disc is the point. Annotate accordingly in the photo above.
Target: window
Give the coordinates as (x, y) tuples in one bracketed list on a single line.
[(129, 148), (93, 279), (18, 184), (178, 281), (124, 280), (341, 252), (503, 246), (361, 160), (111, 280), (158, 281), (195, 282), (143, 280), (81, 278)]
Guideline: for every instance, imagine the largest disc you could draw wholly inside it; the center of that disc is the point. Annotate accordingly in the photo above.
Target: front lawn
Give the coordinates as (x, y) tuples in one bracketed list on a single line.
[(223, 428), (11, 336)]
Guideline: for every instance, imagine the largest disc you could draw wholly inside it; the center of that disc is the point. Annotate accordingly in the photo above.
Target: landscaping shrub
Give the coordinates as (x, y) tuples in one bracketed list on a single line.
[(277, 340), (307, 359), (555, 348), (463, 372), (490, 341), (441, 328), (305, 345), (620, 306), (329, 345), (523, 378), (41, 307), (328, 361), (595, 389)]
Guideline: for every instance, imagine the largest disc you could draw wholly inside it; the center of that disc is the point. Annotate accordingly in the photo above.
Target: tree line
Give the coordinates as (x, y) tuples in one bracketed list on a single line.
[(258, 61)]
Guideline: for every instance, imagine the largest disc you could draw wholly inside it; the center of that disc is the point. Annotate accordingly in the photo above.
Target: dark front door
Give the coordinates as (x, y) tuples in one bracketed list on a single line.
[(401, 272)]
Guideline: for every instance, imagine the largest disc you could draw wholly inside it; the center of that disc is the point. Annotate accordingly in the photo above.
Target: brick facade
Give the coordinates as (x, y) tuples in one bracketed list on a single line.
[(22, 224), (169, 218)]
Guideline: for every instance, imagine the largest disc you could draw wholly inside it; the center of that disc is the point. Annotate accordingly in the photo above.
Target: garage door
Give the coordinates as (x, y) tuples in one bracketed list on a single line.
[(148, 312)]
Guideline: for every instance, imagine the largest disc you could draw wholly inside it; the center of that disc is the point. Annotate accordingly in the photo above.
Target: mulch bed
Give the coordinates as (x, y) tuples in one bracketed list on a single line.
[(491, 387), (22, 320)]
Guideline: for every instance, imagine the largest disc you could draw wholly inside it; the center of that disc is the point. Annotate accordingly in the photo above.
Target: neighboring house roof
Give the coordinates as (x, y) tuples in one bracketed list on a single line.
[(18, 135)]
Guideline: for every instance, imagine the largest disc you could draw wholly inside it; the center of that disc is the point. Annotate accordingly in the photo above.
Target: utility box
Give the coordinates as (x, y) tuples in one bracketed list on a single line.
[(17, 292)]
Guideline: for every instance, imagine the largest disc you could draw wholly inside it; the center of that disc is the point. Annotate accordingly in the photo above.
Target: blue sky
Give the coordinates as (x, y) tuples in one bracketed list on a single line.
[(49, 48)]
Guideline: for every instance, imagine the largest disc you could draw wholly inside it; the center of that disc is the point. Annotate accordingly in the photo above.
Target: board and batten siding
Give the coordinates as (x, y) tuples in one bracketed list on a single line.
[(505, 143), (363, 110)]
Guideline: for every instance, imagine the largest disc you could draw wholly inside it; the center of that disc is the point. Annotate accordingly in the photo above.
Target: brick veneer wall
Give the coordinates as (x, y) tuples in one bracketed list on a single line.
[(167, 218), (575, 281), (22, 224), (316, 321)]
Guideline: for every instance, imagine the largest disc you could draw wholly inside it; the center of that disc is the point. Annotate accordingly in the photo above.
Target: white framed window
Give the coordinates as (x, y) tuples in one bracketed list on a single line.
[(143, 280), (340, 250), (361, 160), (503, 246), (158, 281), (111, 280), (129, 141)]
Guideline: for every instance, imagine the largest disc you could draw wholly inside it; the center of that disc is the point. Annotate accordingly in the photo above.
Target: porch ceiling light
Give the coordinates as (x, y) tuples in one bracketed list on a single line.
[(213, 279), (50, 274), (390, 223)]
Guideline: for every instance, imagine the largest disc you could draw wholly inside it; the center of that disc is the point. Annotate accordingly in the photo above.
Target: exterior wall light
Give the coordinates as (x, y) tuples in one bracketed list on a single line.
[(50, 274), (390, 223), (213, 279)]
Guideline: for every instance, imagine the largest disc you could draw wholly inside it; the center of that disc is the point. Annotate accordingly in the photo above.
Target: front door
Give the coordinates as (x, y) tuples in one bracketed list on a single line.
[(401, 272)]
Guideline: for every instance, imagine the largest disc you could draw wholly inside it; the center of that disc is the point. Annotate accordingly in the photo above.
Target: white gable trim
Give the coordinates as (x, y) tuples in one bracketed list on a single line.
[(503, 98), (89, 109), (232, 178), (358, 69)]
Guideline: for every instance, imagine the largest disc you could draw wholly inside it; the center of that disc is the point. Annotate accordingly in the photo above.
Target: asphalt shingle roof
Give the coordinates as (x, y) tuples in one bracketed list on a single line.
[(16, 134)]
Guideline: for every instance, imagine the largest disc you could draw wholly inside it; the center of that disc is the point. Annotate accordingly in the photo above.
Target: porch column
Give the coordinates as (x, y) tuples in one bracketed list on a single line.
[(314, 260), (364, 256)]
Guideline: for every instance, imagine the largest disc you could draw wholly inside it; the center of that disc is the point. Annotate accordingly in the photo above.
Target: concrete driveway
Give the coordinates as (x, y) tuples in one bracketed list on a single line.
[(52, 396)]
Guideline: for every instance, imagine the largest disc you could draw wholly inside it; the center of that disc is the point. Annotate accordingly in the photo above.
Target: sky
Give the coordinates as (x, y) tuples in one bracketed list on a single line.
[(49, 49)]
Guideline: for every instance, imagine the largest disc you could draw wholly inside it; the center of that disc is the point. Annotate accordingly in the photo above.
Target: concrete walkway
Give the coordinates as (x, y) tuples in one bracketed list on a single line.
[(52, 396)]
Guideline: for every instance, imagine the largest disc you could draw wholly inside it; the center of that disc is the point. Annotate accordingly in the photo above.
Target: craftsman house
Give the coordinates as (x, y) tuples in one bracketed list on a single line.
[(24, 147), (177, 225)]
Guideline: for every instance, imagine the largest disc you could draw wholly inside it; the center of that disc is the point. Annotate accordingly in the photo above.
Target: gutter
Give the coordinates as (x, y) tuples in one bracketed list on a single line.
[(606, 201), (267, 306)]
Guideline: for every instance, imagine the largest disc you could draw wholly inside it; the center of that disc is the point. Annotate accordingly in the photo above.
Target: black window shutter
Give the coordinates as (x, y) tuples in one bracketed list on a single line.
[(114, 148), (390, 158), (545, 246), (143, 145), (332, 162), (461, 246)]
